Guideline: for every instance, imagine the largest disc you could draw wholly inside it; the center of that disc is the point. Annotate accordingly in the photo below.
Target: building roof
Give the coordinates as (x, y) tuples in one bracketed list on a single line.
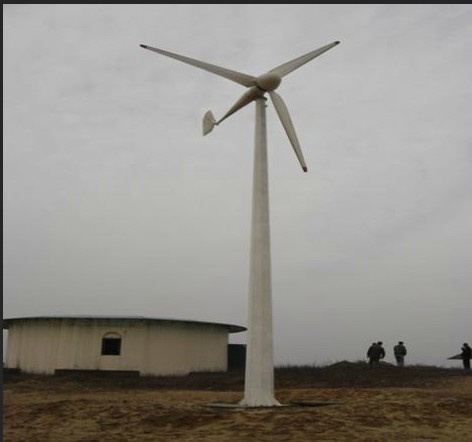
[(114, 319)]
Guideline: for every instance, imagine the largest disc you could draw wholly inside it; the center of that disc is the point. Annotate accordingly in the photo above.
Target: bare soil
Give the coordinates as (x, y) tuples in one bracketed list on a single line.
[(384, 403)]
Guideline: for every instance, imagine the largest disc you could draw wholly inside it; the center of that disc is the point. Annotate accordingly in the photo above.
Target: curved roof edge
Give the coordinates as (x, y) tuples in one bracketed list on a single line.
[(230, 327)]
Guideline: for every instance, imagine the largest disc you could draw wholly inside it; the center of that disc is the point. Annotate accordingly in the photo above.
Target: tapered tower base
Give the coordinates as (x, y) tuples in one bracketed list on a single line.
[(259, 377)]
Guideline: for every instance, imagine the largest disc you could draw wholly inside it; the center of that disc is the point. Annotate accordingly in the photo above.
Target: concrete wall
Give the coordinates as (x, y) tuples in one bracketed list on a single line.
[(162, 348)]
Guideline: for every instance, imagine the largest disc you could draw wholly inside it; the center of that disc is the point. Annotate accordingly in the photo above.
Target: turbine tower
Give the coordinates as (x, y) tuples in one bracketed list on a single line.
[(259, 375)]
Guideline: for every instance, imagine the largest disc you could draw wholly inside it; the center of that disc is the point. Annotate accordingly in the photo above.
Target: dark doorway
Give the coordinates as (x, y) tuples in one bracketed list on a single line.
[(236, 357)]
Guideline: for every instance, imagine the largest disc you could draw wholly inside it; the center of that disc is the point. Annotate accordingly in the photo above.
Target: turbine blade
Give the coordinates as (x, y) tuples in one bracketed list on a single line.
[(290, 66), (250, 95), (284, 116), (238, 77)]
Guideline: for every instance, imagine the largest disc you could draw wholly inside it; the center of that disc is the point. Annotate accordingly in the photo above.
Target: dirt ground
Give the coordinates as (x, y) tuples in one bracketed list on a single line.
[(382, 404)]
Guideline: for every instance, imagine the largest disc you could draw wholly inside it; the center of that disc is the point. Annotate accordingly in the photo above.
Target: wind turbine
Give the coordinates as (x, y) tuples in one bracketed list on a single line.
[(259, 375)]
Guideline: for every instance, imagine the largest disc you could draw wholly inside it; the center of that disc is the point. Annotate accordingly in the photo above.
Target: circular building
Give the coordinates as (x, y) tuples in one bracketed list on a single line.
[(145, 345)]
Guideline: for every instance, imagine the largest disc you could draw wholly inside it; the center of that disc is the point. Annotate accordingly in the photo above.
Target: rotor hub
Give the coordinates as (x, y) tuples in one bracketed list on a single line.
[(268, 82)]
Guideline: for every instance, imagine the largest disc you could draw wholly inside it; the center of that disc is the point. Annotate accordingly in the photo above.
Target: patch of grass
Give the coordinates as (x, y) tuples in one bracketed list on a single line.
[(340, 374)]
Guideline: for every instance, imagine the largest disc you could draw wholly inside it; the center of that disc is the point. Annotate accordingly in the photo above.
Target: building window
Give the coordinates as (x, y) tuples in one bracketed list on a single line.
[(111, 344)]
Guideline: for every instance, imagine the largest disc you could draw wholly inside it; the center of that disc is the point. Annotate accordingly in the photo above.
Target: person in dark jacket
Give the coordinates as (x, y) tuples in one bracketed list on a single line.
[(466, 355), (400, 352), (370, 353), (382, 350), (375, 353)]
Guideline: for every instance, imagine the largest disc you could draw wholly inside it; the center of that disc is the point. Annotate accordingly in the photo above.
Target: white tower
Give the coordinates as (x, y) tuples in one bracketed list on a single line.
[(259, 376)]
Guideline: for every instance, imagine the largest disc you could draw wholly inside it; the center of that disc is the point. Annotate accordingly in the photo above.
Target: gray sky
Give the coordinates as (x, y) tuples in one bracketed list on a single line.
[(114, 203)]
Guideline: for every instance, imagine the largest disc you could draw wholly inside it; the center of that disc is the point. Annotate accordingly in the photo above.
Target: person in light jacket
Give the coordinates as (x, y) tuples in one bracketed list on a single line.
[(400, 352)]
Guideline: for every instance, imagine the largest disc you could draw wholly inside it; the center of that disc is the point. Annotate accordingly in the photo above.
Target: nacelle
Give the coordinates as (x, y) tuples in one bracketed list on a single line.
[(268, 82)]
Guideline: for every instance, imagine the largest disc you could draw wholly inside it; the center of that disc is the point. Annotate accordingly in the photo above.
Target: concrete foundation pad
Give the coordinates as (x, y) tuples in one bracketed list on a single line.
[(301, 403), (236, 406)]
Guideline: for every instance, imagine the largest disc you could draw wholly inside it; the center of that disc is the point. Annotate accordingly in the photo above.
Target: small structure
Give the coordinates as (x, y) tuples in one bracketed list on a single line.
[(145, 345)]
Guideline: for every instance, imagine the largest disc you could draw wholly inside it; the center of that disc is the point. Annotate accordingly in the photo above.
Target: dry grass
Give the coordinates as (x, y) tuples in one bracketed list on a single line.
[(381, 404)]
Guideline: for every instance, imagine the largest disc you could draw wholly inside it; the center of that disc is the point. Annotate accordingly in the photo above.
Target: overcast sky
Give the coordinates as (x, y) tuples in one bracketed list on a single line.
[(115, 204)]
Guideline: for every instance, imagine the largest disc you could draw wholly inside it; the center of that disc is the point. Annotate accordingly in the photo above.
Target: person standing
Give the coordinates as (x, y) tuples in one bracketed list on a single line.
[(400, 352), (466, 355), (381, 349), (372, 353), (375, 353)]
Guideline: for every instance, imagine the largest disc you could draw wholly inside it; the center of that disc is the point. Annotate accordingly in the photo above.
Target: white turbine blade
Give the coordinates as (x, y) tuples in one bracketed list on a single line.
[(238, 77), (284, 116), (290, 66), (250, 95)]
